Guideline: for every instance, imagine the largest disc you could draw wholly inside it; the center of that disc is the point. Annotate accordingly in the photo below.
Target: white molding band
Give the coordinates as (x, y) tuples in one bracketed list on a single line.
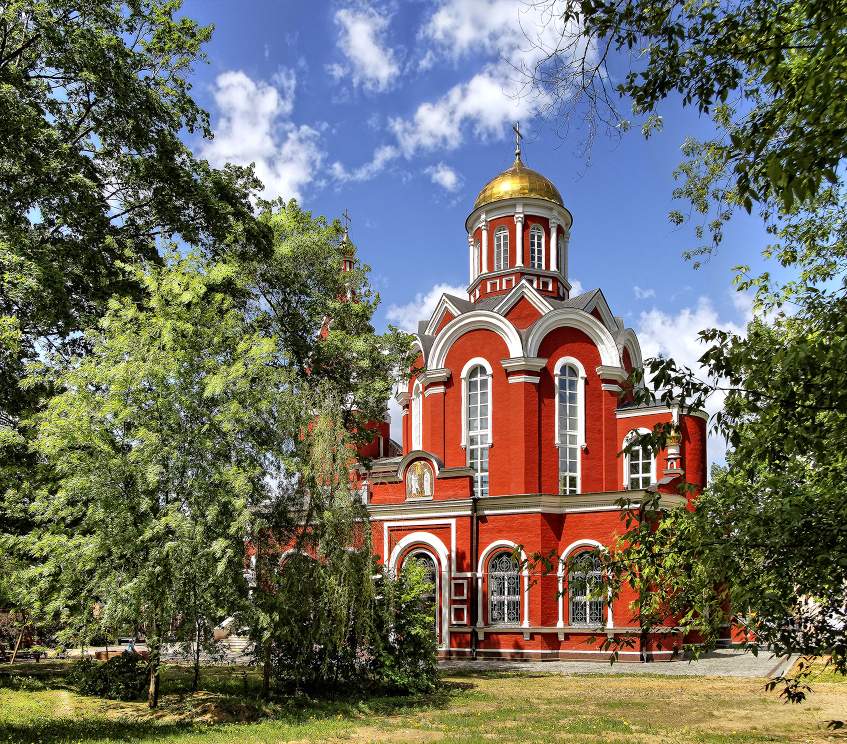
[(472, 321), (434, 389), (530, 364), (524, 378)]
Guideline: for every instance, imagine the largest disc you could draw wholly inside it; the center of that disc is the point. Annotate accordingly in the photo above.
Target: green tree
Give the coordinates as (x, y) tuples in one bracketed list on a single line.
[(153, 441)]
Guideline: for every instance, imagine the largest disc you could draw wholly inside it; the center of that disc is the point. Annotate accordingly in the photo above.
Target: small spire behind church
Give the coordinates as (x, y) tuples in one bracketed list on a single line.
[(346, 218), (516, 127)]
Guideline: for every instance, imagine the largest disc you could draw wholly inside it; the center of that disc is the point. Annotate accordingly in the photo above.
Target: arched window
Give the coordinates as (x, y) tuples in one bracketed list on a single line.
[(585, 590), (479, 426), (417, 416), (504, 590), (568, 426), (639, 463), (536, 247), (501, 249)]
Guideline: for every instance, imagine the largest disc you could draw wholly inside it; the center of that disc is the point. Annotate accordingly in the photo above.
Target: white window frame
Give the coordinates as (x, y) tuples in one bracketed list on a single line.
[(537, 230), (466, 370), (626, 459), (580, 415), (501, 248), (417, 415)]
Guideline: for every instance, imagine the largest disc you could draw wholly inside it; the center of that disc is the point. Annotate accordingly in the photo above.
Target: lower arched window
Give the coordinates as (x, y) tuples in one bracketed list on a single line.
[(504, 590), (427, 563), (585, 587)]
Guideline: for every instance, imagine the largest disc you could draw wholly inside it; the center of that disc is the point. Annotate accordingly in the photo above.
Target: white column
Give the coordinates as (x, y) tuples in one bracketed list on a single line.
[(484, 226), (471, 267), (565, 248), (519, 239), (554, 244)]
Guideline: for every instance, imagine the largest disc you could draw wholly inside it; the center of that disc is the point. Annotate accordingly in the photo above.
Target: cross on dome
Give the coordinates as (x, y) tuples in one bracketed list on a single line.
[(516, 127)]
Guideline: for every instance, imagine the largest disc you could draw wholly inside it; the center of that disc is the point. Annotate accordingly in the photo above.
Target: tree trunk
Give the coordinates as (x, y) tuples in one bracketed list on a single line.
[(18, 644), (153, 648), (195, 683), (266, 672)]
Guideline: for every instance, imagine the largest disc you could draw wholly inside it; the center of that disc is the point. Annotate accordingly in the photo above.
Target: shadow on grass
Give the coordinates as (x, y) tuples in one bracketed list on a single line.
[(132, 722)]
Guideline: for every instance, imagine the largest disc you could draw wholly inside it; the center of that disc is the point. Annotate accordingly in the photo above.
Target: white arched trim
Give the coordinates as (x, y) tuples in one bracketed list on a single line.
[(571, 318), (427, 540), (472, 321), (469, 365), (629, 341), (418, 455), (484, 558), (626, 441), (580, 398), (573, 547)]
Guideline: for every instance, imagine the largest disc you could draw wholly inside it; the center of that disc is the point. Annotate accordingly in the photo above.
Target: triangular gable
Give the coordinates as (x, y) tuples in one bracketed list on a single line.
[(599, 308), (523, 290), (436, 322)]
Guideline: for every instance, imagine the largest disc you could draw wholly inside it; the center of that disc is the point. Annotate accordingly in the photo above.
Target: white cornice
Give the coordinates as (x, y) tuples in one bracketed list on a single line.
[(402, 398), (533, 364), (434, 375), (524, 378), (612, 372), (529, 205)]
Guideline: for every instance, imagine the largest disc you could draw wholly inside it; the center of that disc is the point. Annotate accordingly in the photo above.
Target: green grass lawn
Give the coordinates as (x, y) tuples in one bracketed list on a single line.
[(490, 707)]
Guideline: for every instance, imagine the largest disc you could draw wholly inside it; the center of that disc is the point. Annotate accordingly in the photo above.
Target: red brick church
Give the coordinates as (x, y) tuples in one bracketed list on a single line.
[(512, 435)]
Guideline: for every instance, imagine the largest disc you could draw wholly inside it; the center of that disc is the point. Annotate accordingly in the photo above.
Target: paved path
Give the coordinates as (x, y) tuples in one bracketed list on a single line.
[(719, 663)]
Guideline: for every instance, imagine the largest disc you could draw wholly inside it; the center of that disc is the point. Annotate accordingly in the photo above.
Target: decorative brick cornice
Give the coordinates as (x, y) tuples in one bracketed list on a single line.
[(607, 372), (434, 375)]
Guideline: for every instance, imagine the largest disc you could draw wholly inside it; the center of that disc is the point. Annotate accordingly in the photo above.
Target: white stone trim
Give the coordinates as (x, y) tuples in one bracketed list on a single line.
[(560, 574), (582, 321), (619, 374), (611, 387), (471, 321), (554, 234), (524, 378), (444, 304), (530, 364), (519, 219), (434, 389), (482, 563), (523, 289)]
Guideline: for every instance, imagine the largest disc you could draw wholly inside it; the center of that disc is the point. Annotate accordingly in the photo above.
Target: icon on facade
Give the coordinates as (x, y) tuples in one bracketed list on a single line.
[(419, 480)]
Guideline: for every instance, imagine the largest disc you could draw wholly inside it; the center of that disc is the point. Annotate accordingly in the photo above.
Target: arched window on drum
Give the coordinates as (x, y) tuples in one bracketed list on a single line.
[(536, 247), (501, 249)]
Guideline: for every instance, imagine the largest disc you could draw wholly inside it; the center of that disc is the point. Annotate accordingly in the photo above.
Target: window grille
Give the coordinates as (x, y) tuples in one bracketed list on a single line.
[(504, 590), (536, 247), (501, 249), (585, 586)]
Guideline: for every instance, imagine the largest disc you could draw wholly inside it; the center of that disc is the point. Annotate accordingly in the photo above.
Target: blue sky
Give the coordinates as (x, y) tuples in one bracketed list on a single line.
[(401, 112)]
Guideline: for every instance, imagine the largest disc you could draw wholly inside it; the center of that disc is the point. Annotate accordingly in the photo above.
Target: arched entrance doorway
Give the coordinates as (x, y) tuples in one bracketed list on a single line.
[(429, 564)]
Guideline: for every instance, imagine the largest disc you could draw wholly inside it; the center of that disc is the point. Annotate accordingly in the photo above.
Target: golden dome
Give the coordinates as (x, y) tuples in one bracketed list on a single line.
[(518, 181)]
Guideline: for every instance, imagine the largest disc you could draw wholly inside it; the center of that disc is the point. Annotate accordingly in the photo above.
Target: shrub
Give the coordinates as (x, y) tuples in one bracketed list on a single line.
[(123, 677)]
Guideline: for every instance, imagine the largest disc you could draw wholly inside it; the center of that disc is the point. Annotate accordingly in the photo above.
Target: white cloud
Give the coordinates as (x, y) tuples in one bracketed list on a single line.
[(382, 156), (444, 176), (576, 287), (406, 317), (521, 34), (483, 103), (253, 127), (643, 294), (372, 64), (674, 335)]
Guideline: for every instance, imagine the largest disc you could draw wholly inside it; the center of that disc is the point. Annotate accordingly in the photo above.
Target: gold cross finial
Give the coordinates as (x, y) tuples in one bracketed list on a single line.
[(516, 127)]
